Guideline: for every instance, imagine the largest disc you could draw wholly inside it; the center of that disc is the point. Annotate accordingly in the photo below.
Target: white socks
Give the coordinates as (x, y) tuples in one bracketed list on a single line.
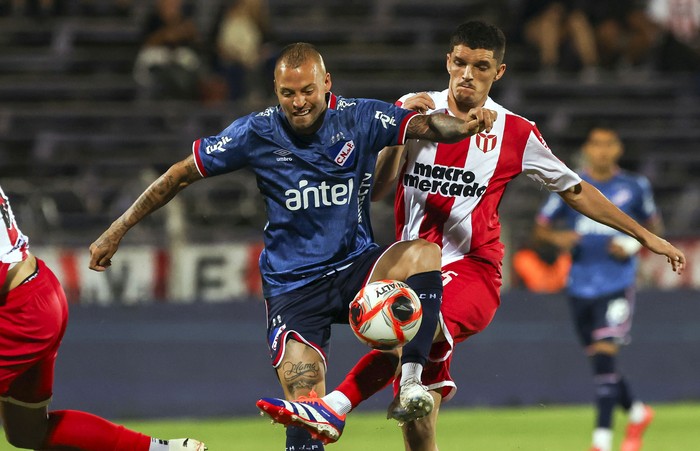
[(602, 439), (637, 412), (411, 371), (337, 401), (158, 445)]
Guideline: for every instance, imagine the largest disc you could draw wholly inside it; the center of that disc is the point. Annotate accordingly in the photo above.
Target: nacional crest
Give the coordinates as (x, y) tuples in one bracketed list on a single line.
[(485, 142)]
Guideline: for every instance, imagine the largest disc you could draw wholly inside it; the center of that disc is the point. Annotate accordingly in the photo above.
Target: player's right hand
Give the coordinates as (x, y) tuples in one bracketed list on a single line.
[(102, 250), (421, 102)]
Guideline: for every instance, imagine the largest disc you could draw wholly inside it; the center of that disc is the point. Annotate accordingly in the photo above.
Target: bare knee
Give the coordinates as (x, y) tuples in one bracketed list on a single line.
[(423, 256)]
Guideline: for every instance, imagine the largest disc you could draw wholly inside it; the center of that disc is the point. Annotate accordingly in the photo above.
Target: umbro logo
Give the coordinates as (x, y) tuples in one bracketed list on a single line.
[(283, 154)]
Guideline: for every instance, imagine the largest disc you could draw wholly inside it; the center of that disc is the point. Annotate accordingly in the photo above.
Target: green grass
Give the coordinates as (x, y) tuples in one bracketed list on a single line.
[(560, 428)]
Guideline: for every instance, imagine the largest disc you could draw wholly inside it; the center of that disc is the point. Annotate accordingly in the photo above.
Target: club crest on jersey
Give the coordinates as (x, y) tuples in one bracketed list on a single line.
[(342, 152), (486, 142)]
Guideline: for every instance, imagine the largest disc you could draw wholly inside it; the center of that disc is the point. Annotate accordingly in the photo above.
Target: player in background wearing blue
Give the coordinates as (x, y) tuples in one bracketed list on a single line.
[(601, 281), (314, 158), (33, 319)]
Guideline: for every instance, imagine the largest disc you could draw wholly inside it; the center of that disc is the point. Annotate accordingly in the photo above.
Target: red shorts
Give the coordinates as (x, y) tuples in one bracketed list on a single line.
[(471, 296), (33, 318)]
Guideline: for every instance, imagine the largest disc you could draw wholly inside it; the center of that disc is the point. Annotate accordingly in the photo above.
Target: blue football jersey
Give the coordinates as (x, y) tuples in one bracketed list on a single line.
[(594, 272), (316, 188)]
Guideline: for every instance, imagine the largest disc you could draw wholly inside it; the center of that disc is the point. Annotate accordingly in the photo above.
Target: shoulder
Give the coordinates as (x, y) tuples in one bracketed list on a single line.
[(516, 119)]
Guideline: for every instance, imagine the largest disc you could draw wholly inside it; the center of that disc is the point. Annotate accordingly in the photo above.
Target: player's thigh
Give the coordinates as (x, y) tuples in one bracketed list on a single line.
[(471, 297), (25, 425), (406, 258), (301, 370), (421, 435)]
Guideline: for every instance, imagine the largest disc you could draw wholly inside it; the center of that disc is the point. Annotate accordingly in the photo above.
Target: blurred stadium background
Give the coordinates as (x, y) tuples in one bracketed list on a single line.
[(176, 327)]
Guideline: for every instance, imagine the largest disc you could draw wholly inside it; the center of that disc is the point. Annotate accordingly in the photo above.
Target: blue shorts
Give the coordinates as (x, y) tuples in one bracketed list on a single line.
[(307, 313), (605, 318)]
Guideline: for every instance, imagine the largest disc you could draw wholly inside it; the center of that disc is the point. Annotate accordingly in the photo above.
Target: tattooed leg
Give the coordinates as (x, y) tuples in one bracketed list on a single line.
[(301, 371)]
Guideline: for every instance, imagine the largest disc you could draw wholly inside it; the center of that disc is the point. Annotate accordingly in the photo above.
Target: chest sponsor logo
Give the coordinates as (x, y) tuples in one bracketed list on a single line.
[(343, 153), (445, 180), (322, 195), (485, 142)]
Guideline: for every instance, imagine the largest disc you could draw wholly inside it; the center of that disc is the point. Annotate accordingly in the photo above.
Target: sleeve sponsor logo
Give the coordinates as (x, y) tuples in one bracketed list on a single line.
[(218, 146), (385, 119)]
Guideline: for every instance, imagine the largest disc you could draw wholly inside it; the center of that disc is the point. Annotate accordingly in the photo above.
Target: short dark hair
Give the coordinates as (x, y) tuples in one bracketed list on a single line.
[(476, 34), (294, 55)]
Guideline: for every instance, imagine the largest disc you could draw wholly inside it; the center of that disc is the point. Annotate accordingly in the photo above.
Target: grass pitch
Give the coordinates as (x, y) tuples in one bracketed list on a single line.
[(675, 428), (557, 428)]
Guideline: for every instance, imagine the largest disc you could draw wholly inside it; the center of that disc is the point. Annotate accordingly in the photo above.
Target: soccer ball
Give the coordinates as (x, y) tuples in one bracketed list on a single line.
[(385, 314)]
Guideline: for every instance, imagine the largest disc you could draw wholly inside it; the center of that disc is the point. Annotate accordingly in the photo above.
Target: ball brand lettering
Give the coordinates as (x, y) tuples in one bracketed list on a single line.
[(219, 145), (323, 195), (445, 180), (385, 119), (384, 289)]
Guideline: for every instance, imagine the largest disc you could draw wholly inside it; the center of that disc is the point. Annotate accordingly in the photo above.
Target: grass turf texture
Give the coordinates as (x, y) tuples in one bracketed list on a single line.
[(551, 428)]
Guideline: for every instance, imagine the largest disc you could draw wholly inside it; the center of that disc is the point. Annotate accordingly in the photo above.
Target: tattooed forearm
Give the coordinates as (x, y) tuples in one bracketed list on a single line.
[(160, 192), (436, 127)]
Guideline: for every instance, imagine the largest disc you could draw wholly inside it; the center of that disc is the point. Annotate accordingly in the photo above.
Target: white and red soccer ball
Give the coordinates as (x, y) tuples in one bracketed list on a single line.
[(385, 314)]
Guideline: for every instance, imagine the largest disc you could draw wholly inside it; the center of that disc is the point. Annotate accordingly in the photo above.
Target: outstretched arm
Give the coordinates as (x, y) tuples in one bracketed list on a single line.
[(587, 200), (175, 179), (386, 170), (449, 129)]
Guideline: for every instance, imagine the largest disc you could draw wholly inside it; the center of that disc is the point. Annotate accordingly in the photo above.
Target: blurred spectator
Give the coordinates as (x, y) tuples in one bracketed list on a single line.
[(239, 39), (678, 23), (552, 26), (624, 33), (168, 65), (542, 268)]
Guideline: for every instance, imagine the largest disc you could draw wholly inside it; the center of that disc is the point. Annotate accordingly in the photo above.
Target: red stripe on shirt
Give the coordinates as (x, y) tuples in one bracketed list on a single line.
[(403, 127), (486, 228), (437, 206), (198, 158)]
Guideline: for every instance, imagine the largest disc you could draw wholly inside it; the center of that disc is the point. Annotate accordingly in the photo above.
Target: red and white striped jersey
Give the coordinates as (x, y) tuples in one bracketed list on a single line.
[(14, 245), (449, 193)]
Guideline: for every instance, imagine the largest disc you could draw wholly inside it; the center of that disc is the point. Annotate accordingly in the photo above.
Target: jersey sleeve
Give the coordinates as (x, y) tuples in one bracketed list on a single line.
[(541, 165), (553, 209), (386, 122), (647, 206), (225, 152)]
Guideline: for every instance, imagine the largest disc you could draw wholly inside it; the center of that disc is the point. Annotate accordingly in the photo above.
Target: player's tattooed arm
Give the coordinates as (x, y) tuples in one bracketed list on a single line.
[(446, 128), (159, 193)]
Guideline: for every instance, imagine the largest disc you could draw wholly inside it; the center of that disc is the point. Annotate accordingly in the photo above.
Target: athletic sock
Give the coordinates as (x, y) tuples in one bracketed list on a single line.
[(337, 401), (602, 439), (299, 439), (637, 412), (87, 432), (606, 387), (428, 287), (158, 445), (626, 398), (374, 371)]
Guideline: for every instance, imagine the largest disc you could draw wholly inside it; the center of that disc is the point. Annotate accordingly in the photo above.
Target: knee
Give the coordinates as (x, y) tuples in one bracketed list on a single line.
[(424, 255)]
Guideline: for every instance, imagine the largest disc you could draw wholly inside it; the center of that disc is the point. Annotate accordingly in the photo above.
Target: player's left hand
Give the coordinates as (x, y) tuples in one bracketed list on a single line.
[(480, 120), (673, 255)]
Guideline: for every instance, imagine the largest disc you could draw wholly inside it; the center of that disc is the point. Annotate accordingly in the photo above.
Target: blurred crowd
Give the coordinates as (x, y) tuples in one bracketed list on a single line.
[(231, 58)]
